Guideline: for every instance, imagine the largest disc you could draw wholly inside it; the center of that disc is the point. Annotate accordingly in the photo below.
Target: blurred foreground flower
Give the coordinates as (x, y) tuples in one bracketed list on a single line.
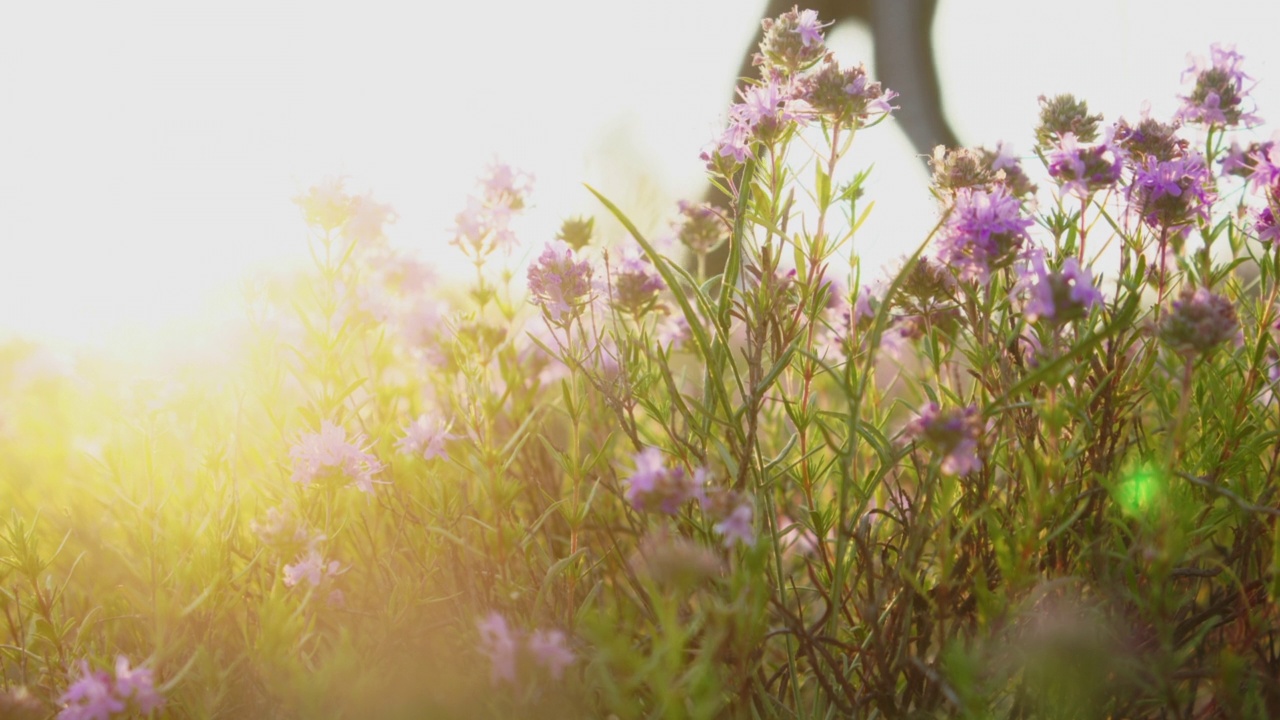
[(952, 434), (98, 695), (327, 456)]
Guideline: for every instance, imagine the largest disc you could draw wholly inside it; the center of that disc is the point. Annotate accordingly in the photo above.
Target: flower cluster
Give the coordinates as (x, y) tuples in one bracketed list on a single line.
[(951, 433), (1198, 321), (733, 515), (1173, 194), (701, 227), (99, 695), (1065, 115), (654, 487), (1219, 93), (548, 649), (328, 207), (790, 93), (1057, 297), (1084, 170), (328, 457), (425, 437), (634, 284), (984, 230), (559, 283), (485, 225)]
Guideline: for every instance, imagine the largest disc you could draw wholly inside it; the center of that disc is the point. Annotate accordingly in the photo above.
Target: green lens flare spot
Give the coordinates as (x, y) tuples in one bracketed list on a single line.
[(1139, 491)]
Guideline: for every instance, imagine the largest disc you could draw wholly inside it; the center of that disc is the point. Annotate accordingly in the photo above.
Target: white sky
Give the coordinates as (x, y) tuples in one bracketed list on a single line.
[(149, 150)]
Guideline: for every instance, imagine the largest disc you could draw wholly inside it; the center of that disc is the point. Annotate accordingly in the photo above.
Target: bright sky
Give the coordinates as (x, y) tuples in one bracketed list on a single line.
[(149, 151)]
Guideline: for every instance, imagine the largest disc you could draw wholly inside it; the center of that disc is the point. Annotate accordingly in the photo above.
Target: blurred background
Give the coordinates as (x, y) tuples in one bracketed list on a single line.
[(149, 150)]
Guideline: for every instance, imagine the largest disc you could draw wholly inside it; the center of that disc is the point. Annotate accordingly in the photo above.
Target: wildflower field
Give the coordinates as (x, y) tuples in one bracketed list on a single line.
[(1027, 472)]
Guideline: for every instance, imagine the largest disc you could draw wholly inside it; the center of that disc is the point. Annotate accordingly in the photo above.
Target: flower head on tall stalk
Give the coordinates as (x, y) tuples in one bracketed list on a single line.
[(327, 456), (792, 42), (99, 695), (1172, 195), (1219, 94), (633, 285), (847, 94), (328, 207), (425, 437), (559, 283), (654, 487), (1084, 170), (1198, 321), (985, 230), (1056, 297), (485, 225), (952, 433)]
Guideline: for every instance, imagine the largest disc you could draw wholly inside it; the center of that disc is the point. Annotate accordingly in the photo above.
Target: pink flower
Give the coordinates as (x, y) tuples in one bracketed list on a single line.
[(550, 650), (310, 567), (497, 643), (654, 487), (560, 284), (426, 436), (326, 205), (328, 456), (98, 696), (138, 685), (366, 219)]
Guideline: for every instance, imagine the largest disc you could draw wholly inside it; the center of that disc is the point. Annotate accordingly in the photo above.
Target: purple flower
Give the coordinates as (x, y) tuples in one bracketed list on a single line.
[(985, 228), (1057, 296), (736, 527), (1199, 321), (560, 285), (1083, 171), (499, 646), (92, 697), (635, 283), (138, 685), (97, 695), (426, 436), (365, 224), (327, 456), (310, 567), (1219, 92), (844, 94), (550, 650), (654, 487), (1172, 194), (953, 434), (485, 225), (792, 42), (1266, 227)]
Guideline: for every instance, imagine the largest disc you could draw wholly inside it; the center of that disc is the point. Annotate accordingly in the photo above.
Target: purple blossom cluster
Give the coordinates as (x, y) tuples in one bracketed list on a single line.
[(100, 695), (952, 433), (701, 227), (547, 649), (1171, 195), (654, 487), (732, 514), (328, 457), (485, 225), (1082, 170), (790, 93), (559, 283), (985, 229), (1057, 297), (330, 208), (1198, 321), (634, 283), (1219, 94), (425, 437)]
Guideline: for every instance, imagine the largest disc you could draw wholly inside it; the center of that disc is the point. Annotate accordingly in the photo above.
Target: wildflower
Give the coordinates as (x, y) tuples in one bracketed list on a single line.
[(1065, 115), (1198, 321), (560, 285), (635, 284), (770, 108), (485, 225), (1149, 139), (98, 695), (282, 530), (310, 567), (671, 559), (499, 646), (1057, 296), (985, 229), (327, 456), (327, 205), (1008, 168), (426, 437), (845, 94), (92, 697), (1082, 171), (733, 514), (1219, 92), (549, 649), (366, 218), (792, 42), (1266, 227), (654, 487), (576, 232), (701, 228), (673, 331), (1172, 194), (959, 168), (953, 434)]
